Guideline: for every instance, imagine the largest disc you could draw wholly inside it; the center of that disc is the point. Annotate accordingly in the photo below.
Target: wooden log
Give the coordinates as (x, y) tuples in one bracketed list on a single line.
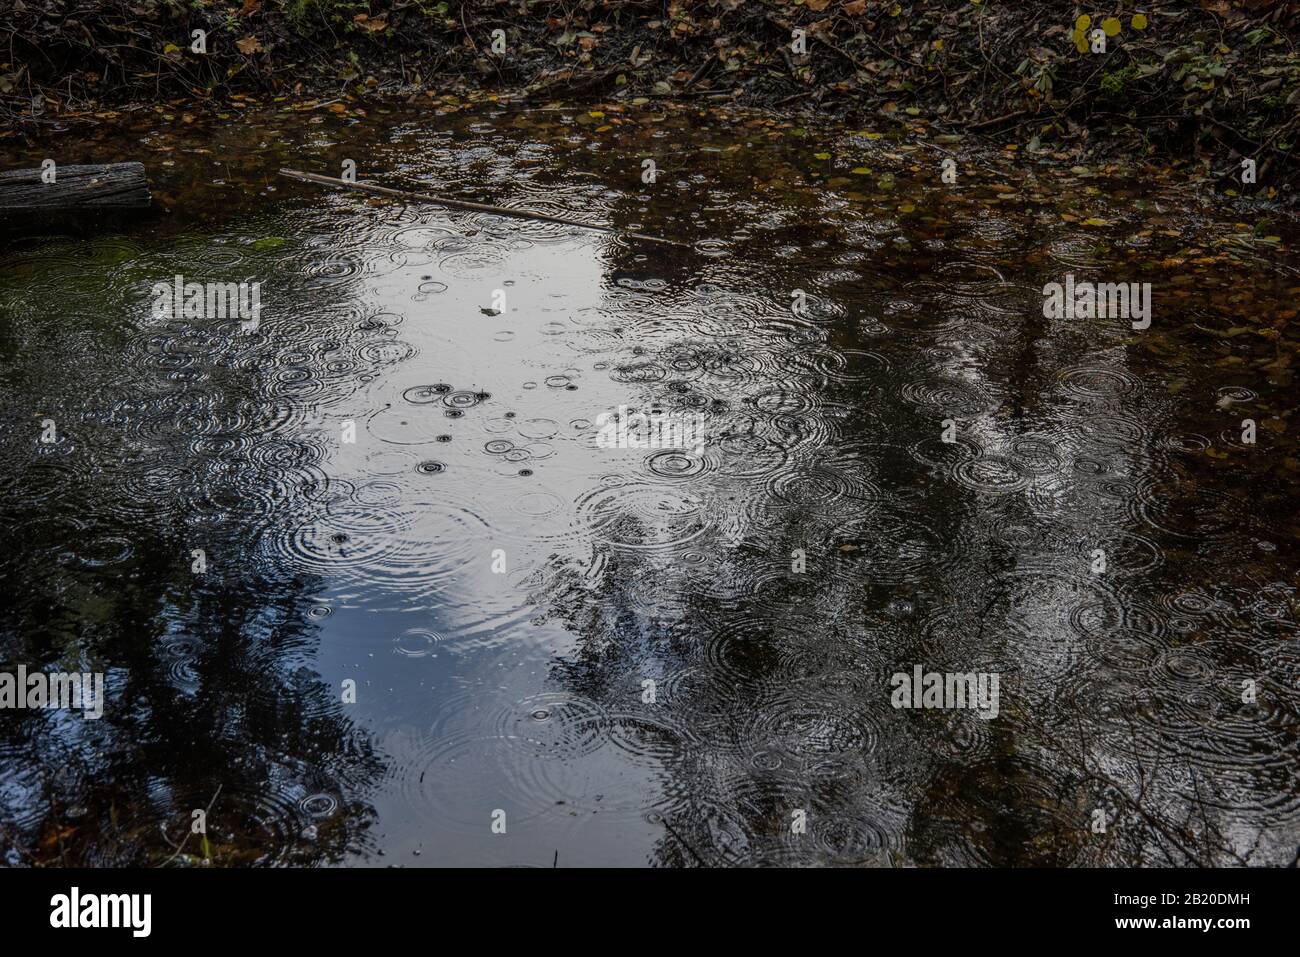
[(114, 186)]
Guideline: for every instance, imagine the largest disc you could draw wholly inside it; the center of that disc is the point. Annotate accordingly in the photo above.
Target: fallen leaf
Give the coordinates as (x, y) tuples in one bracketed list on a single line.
[(248, 46)]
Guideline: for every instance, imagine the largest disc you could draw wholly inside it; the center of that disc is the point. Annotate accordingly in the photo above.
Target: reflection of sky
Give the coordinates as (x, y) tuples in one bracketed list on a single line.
[(439, 645)]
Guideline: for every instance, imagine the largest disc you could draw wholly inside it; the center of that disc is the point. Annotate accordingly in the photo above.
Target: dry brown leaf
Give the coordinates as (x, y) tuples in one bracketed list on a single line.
[(250, 7), (248, 46)]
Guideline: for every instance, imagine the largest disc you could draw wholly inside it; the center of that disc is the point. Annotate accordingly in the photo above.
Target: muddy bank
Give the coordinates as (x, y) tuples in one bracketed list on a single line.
[(1203, 84)]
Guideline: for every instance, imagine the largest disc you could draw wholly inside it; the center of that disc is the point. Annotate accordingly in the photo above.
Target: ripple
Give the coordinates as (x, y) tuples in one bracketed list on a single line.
[(650, 741), (1234, 394), (1110, 431), (406, 425), (358, 539), (463, 399), (1100, 384), (1039, 610), (416, 643), (847, 365), (1127, 650), (645, 517), (893, 550), (1190, 511), (821, 487), (669, 463), (746, 455), (1036, 456), (948, 397), (990, 475), (389, 352), (472, 262), (554, 726), (800, 725)]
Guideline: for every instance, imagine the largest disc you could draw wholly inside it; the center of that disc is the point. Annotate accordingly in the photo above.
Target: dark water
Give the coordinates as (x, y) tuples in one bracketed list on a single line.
[(524, 691)]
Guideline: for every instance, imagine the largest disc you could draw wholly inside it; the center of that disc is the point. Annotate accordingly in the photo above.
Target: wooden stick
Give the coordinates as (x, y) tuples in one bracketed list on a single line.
[(462, 204), (985, 124)]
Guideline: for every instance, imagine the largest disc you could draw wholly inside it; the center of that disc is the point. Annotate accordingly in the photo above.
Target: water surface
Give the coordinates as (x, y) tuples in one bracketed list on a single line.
[(480, 690)]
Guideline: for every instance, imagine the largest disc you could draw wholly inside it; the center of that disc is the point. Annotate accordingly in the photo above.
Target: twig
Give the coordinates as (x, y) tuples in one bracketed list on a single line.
[(1154, 820), (180, 847), (681, 840), (983, 124), (472, 207), (703, 68)]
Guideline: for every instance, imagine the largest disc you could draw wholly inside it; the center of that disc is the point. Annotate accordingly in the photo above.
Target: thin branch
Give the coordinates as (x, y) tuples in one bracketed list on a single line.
[(472, 207)]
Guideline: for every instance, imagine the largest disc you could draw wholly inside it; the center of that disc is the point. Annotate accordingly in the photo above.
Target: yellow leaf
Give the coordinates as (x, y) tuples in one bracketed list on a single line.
[(821, 156), (1110, 26), (1139, 21), (1095, 222), (1082, 23), (862, 170)]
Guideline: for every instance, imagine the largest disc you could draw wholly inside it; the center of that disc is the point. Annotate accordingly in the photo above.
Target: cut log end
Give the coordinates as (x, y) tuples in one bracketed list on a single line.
[(112, 186)]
